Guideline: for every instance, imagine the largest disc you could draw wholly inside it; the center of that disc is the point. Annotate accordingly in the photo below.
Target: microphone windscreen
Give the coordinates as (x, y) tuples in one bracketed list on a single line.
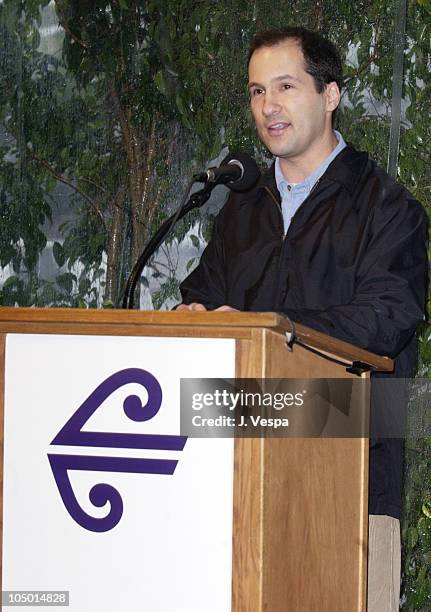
[(250, 175)]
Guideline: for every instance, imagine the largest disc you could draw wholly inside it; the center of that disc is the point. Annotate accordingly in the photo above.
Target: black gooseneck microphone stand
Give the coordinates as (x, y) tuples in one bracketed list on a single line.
[(196, 200)]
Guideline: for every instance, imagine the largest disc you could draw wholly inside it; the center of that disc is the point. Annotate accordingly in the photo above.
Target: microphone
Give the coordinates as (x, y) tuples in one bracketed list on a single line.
[(238, 171)]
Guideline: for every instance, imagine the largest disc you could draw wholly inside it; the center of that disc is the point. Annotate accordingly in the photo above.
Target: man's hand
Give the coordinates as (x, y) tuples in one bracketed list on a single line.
[(225, 308), (192, 306), (200, 307)]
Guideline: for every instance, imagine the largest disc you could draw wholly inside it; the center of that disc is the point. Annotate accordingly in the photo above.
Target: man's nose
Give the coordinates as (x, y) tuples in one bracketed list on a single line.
[(270, 105)]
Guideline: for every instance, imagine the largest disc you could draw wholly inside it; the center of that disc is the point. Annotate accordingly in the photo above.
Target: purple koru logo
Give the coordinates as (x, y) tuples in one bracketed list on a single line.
[(72, 435)]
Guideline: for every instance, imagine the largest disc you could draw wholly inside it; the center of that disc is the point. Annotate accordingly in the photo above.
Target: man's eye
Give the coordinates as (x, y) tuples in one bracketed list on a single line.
[(286, 86), (256, 92)]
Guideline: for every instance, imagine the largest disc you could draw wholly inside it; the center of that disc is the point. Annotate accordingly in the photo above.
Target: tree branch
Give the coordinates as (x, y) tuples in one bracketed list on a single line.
[(66, 28), (99, 187), (370, 59), (61, 178)]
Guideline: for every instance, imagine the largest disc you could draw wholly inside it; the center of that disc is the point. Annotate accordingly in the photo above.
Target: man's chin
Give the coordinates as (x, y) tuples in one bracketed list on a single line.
[(279, 151)]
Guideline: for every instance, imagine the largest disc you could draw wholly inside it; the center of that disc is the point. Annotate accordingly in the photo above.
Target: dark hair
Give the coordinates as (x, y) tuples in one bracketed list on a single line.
[(322, 59)]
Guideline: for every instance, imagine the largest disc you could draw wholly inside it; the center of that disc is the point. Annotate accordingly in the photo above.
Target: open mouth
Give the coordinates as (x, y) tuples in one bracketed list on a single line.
[(276, 129)]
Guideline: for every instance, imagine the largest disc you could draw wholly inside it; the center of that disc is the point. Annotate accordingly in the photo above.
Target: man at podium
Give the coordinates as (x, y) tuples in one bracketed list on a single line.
[(328, 238)]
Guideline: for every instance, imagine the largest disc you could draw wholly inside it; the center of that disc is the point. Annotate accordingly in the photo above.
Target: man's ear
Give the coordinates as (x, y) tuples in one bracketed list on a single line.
[(332, 94)]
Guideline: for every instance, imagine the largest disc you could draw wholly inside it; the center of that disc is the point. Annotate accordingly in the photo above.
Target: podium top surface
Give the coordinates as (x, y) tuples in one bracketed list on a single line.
[(152, 322)]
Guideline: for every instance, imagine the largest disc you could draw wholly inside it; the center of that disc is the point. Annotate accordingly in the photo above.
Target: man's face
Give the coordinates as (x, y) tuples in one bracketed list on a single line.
[(292, 119)]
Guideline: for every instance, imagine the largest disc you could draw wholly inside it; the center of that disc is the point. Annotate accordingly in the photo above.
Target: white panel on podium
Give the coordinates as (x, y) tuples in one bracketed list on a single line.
[(164, 544)]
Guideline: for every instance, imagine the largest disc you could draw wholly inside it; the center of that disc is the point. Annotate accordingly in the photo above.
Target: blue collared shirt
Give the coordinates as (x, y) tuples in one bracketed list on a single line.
[(292, 195)]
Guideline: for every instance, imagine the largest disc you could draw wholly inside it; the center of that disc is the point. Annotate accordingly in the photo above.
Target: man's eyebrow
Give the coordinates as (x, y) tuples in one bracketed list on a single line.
[(288, 77), (282, 77)]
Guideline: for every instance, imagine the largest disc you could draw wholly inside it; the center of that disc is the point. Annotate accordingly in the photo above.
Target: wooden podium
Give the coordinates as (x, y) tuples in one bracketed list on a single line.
[(300, 517)]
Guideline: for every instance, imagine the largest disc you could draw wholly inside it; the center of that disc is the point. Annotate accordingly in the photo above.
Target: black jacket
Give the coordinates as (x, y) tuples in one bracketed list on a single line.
[(353, 265)]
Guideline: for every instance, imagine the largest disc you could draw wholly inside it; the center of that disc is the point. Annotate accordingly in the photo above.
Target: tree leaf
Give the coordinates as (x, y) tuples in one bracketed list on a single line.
[(160, 82), (195, 240), (426, 510), (58, 253), (190, 263), (65, 281)]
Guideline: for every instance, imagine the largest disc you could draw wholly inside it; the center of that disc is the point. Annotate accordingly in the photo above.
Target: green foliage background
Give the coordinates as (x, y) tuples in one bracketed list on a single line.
[(142, 95)]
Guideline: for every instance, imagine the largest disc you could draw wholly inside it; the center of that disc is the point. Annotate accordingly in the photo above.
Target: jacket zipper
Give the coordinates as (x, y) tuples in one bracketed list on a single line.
[(278, 205), (284, 235)]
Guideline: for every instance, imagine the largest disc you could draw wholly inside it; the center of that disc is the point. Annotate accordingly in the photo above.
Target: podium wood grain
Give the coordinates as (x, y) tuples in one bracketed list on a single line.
[(300, 504)]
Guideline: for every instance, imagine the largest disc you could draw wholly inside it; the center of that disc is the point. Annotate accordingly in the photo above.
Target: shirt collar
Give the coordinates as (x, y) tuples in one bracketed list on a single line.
[(308, 183)]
